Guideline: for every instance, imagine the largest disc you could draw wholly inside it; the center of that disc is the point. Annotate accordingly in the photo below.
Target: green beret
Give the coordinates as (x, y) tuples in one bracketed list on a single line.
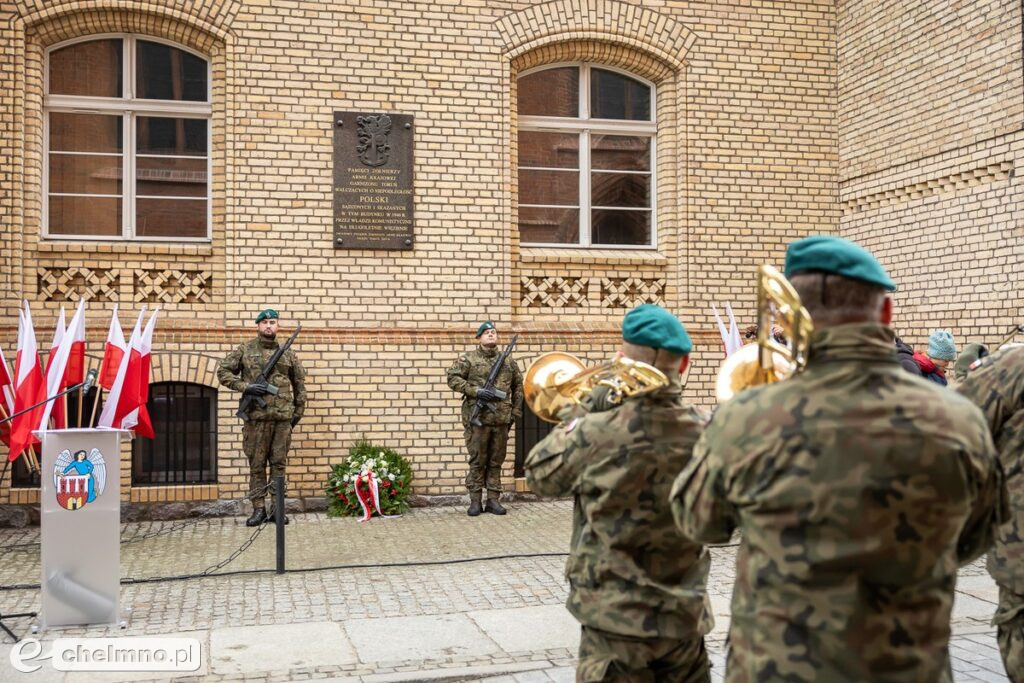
[(266, 313), (827, 254), (965, 361), (650, 325), (484, 326)]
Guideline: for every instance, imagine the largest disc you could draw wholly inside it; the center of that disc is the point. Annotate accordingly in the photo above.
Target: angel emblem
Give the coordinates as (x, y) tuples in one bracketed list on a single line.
[(79, 478), (372, 139)]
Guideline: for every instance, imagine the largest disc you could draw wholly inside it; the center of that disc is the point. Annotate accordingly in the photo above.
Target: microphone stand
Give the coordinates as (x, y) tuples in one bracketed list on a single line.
[(85, 386)]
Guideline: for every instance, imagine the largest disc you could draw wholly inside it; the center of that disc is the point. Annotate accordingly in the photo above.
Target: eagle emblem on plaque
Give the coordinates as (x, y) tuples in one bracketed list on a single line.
[(79, 478), (372, 139)]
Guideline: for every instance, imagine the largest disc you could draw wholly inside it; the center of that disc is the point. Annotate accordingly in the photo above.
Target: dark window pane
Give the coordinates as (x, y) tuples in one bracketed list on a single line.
[(167, 73), (614, 96), (551, 92), (556, 226), (85, 133), (184, 451), (170, 177), (620, 189), (553, 150), (620, 152), (620, 227), (530, 430), (549, 187), (85, 174), (21, 476), (170, 217), (93, 68), (99, 216), (182, 137)]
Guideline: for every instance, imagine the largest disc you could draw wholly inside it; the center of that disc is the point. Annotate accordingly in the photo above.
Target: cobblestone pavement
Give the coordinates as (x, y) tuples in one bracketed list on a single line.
[(480, 600)]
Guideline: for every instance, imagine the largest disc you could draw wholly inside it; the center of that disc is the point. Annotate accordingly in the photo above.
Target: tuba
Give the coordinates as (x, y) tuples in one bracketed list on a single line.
[(558, 380), (769, 361)]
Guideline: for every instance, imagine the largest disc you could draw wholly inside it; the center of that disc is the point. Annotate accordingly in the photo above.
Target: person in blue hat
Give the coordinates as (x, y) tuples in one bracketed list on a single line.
[(858, 490), (637, 587), (487, 443), (267, 434)]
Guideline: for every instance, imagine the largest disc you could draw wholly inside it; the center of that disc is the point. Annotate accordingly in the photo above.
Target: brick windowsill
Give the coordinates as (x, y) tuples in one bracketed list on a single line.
[(599, 257)]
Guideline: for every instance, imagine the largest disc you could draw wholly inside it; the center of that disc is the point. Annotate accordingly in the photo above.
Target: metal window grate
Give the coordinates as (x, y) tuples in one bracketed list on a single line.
[(184, 451)]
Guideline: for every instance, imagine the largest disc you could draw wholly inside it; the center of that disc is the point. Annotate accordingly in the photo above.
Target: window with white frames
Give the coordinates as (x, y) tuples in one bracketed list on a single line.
[(586, 145), (127, 139)]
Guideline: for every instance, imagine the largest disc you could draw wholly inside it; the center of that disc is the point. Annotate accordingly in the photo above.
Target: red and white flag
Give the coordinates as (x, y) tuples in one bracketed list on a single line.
[(7, 385), (28, 388), (124, 392), (75, 372), (113, 352), (57, 411), (138, 419), (56, 371)]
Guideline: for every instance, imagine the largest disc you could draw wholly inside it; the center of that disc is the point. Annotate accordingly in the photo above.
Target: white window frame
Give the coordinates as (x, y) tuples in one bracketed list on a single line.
[(129, 108), (585, 127)]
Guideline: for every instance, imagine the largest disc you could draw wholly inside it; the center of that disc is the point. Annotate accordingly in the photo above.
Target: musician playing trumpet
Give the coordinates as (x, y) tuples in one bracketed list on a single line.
[(636, 586)]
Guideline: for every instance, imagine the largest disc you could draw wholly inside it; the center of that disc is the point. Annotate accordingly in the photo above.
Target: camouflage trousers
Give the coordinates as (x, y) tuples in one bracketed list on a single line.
[(265, 442), (486, 446), (622, 659), (1010, 634)]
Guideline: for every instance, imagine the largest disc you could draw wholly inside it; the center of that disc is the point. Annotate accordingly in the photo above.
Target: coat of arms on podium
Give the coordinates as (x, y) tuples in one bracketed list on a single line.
[(79, 478)]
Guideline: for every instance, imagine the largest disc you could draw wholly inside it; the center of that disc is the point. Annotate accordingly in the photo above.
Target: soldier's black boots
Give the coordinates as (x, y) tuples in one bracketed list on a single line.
[(259, 515), (474, 508), (494, 507), (270, 518)]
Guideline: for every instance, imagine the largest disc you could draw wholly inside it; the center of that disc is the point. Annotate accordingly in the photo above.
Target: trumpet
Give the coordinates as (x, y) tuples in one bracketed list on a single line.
[(559, 380), (768, 360)]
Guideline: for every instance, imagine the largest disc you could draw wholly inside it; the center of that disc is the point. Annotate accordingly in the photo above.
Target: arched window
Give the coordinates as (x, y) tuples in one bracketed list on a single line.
[(184, 451), (586, 150), (127, 139)]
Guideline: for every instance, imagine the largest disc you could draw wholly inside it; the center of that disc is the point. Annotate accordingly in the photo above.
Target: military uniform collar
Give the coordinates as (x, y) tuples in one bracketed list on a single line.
[(264, 344), (490, 353), (856, 341)]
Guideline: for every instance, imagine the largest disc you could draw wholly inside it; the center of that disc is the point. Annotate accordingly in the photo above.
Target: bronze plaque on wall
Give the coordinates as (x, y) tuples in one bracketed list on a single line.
[(373, 180)]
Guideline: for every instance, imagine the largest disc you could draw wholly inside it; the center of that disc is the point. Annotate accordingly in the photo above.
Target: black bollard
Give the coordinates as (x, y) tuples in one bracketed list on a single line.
[(279, 521)]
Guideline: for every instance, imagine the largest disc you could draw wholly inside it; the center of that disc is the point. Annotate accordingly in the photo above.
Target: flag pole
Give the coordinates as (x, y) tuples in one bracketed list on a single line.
[(31, 459), (99, 392), (81, 395)]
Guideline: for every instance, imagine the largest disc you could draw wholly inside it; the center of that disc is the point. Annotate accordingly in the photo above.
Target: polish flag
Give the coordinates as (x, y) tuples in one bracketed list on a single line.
[(75, 372), (6, 384), (59, 418), (113, 352), (138, 419), (56, 371), (124, 392), (29, 388)]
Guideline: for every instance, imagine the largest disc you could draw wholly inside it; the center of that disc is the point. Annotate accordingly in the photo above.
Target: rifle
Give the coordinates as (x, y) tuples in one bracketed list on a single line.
[(480, 405), (246, 403)]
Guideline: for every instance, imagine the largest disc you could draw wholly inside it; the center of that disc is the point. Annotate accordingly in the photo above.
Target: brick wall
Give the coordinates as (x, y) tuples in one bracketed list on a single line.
[(929, 109), (747, 159)]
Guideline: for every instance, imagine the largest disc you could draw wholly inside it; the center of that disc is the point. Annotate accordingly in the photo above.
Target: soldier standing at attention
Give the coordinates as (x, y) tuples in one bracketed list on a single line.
[(996, 384), (487, 443), (858, 488), (637, 587), (268, 432)]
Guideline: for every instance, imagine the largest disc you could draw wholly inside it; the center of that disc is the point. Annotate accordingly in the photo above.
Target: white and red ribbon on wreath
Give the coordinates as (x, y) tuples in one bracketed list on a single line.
[(370, 496)]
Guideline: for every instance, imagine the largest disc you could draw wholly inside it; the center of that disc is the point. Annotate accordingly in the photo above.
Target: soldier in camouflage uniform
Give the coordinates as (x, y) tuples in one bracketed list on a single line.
[(637, 587), (267, 434), (996, 384), (487, 444), (858, 488)]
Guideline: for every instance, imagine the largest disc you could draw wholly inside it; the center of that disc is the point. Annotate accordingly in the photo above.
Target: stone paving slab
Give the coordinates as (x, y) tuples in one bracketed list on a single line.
[(396, 639), (251, 649), (528, 629)]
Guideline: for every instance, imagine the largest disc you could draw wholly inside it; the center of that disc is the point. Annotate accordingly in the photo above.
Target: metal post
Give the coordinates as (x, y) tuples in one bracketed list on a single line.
[(279, 521)]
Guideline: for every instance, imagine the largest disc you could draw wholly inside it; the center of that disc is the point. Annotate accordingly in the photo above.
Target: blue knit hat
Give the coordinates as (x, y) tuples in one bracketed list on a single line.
[(941, 345)]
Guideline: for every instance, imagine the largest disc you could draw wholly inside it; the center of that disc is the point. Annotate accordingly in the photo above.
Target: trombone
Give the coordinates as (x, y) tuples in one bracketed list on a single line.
[(769, 361)]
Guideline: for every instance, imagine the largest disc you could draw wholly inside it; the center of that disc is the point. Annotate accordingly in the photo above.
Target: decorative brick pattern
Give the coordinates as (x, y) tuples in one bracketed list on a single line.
[(626, 292), (74, 283), (995, 171), (173, 286), (555, 292)]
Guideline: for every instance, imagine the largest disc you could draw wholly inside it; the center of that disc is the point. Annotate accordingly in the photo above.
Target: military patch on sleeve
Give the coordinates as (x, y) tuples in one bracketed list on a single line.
[(572, 425)]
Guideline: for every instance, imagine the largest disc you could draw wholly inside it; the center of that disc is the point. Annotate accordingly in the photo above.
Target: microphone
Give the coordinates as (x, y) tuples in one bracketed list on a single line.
[(90, 379)]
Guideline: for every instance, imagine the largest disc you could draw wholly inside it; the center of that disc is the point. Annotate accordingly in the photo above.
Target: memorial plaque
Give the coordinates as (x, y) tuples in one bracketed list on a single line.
[(373, 180)]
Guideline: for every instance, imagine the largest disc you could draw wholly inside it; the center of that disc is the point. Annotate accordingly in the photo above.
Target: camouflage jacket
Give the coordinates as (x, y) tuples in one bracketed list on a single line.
[(243, 365), (470, 372), (997, 386), (630, 571), (859, 490)]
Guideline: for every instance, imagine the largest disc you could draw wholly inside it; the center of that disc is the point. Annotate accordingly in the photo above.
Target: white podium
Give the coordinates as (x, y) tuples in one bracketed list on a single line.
[(80, 526)]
